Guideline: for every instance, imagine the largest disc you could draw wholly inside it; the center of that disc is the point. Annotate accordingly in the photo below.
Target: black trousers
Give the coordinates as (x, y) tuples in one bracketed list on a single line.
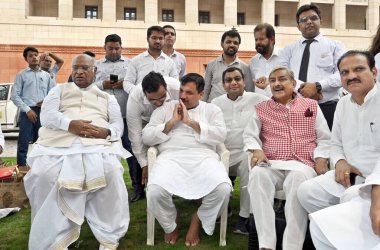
[(328, 110)]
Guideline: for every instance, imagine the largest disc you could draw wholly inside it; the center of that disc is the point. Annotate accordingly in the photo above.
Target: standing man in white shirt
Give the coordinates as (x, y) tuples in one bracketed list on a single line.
[(237, 106), (168, 49), (46, 60), (313, 59), (266, 58), (153, 92), (230, 43), (355, 138), (154, 59)]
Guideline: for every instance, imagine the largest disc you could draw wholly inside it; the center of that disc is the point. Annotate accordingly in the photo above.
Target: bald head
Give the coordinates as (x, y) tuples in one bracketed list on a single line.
[(83, 70)]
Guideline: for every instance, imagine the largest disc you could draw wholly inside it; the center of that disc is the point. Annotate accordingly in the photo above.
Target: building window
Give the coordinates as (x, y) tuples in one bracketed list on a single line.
[(168, 15), (240, 18), (91, 12), (276, 20), (129, 13), (204, 17)]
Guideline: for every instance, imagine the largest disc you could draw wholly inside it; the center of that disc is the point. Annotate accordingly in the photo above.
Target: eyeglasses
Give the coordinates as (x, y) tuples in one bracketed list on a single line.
[(83, 68), (169, 33), (230, 79), (312, 18)]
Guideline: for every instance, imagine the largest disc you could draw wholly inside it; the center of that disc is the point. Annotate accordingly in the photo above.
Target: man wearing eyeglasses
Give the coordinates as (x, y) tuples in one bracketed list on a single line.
[(237, 106), (313, 60), (168, 49), (75, 168), (153, 92)]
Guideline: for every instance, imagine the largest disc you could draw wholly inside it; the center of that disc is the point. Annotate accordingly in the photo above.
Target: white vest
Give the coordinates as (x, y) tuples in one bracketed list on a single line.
[(91, 104)]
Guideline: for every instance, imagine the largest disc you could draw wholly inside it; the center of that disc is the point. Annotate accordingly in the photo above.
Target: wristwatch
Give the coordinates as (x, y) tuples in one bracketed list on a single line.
[(318, 86), (108, 135)]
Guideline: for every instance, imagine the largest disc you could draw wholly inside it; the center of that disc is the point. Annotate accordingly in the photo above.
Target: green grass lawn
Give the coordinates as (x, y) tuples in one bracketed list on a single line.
[(14, 229)]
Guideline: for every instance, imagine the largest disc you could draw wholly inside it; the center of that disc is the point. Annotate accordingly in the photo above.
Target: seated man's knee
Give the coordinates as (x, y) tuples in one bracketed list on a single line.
[(154, 193), (223, 190), (305, 192)]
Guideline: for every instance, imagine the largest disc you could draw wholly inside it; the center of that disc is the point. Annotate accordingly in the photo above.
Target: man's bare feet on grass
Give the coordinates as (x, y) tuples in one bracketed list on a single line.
[(192, 236), (171, 238)]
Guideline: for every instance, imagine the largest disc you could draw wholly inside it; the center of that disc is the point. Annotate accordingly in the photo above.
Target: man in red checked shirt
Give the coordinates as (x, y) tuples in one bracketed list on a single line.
[(288, 140)]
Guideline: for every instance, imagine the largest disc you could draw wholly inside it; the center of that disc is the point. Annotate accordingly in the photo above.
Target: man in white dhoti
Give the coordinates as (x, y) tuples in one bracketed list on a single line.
[(290, 133), (237, 107), (186, 133), (75, 168), (351, 225), (355, 139)]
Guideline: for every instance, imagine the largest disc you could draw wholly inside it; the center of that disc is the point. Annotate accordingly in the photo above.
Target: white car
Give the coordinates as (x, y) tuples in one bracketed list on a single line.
[(9, 113)]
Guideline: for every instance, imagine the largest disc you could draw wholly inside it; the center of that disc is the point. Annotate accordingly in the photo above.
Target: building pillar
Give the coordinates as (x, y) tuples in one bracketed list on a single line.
[(109, 10), (151, 11), (65, 9), (268, 11), (339, 15), (230, 13), (373, 15), (191, 11)]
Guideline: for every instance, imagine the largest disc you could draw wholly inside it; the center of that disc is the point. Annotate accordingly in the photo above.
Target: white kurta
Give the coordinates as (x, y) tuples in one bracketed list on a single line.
[(65, 185), (187, 165), (348, 226)]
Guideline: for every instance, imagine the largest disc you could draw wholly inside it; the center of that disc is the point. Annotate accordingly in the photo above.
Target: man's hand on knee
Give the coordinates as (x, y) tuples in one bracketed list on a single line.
[(343, 171)]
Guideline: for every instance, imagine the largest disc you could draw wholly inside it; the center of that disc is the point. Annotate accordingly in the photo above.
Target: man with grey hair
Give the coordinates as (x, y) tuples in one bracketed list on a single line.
[(75, 165), (288, 141)]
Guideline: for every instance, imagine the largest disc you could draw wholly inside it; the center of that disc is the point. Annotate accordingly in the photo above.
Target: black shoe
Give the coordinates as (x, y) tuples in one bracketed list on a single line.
[(241, 226), (138, 196)]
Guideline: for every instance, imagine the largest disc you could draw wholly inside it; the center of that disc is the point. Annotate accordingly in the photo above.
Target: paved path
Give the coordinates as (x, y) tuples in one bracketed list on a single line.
[(10, 146)]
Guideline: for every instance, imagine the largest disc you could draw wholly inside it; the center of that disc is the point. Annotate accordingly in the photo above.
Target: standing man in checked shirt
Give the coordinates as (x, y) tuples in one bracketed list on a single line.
[(110, 75), (154, 59), (313, 60), (168, 49), (29, 90)]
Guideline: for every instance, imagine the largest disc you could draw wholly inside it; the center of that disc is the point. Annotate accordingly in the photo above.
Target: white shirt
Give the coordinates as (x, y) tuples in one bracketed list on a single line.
[(252, 132), (355, 135), (324, 55), (180, 61), (139, 110), (377, 65), (52, 118), (104, 69), (259, 66), (144, 63), (236, 116)]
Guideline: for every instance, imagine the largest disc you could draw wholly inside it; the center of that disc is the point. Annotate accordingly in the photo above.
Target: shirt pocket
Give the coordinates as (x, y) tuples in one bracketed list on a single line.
[(326, 61)]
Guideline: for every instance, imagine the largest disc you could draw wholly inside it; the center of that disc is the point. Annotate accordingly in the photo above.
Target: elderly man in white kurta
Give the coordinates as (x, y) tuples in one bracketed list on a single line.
[(187, 133), (237, 107), (75, 165), (291, 134)]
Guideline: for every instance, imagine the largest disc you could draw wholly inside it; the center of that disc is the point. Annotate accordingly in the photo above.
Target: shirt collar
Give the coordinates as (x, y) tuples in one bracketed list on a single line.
[(369, 95), (221, 59), (274, 53), (146, 54), (30, 69), (317, 38), (104, 60)]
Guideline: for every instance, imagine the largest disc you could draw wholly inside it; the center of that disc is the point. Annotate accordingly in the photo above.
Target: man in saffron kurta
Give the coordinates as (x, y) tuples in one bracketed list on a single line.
[(187, 133), (75, 165), (291, 134)]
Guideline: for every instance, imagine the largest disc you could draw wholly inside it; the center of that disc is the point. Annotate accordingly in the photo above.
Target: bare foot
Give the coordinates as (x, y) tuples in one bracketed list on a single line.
[(192, 236), (171, 238)]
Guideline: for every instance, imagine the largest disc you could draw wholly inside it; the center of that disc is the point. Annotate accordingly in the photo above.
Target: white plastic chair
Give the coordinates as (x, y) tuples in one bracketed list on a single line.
[(224, 155)]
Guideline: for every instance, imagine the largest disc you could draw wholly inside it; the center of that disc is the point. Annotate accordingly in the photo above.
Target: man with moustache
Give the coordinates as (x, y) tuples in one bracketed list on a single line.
[(288, 140), (153, 92), (186, 134), (29, 90), (355, 140), (46, 60), (168, 49), (313, 60), (154, 59), (266, 58), (237, 106), (230, 43), (75, 165)]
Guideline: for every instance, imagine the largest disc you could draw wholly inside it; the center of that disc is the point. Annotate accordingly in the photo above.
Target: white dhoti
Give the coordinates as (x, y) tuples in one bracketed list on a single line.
[(263, 182), (323, 191), (345, 226), (190, 176), (65, 186)]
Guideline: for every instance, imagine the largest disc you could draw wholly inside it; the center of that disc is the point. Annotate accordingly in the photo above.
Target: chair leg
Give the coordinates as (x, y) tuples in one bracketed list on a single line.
[(150, 220), (223, 228)]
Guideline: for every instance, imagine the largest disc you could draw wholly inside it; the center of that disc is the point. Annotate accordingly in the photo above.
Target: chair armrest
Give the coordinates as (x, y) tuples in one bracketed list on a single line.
[(224, 155), (152, 156)]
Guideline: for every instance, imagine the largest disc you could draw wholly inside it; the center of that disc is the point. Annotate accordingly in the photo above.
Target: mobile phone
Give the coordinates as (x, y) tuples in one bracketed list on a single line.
[(356, 179), (113, 78)]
